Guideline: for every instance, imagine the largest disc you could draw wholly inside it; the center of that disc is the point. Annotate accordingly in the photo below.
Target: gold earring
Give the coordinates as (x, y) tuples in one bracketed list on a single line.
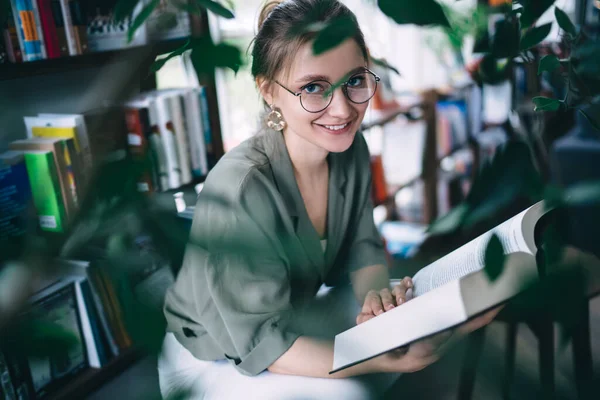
[(275, 119)]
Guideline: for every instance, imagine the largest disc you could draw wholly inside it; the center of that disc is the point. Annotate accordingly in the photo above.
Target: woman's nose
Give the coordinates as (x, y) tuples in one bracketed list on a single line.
[(340, 106)]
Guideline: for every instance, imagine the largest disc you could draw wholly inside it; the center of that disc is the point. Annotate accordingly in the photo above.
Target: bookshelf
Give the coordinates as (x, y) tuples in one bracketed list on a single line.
[(34, 75)]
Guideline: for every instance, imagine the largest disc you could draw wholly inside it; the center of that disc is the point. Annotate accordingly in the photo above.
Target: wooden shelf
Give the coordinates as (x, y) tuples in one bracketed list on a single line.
[(91, 379), (27, 69)]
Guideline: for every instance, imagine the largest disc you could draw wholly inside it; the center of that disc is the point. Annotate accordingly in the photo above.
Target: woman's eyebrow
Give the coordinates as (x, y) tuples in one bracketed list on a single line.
[(317, 77)]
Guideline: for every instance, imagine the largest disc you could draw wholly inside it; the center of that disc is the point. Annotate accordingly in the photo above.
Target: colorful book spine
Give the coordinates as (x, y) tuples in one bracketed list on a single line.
[(29, 29), (45, 189), (138, 126), (49, 28), (15, 195)]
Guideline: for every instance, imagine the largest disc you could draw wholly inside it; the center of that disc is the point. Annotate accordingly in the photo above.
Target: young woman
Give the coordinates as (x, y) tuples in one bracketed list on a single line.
[(279, 216)]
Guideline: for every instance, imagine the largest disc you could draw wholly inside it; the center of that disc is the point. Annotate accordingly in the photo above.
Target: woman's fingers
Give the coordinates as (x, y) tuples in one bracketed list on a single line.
[(400, 291), (364, 316), (387, 300), (373, 303)]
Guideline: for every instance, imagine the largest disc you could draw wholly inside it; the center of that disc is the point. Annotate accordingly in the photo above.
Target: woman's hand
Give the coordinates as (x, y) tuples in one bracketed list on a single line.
[(378, 302), (425, 352)]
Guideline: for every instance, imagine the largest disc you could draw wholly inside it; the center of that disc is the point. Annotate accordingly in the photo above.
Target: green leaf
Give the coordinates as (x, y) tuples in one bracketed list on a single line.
[(124, 9), (384, 64), (333, 34), (450, 222), (38, 337), (533, 9), (206, 56), (141, 18), (494, 258), (535, 36), (546, 104), (158, 64), (421, 12), (584, 193), (215, 8), (548, 63), (564, 22)]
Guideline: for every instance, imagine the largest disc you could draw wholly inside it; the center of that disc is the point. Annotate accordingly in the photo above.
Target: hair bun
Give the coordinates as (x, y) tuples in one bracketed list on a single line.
[(266, 11)]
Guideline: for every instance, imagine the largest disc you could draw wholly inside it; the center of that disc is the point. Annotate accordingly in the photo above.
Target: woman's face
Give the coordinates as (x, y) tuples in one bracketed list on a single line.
[(332, 129)]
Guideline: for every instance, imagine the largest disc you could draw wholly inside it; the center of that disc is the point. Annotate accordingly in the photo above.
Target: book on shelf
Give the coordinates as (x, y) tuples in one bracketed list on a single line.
[(457, 281), (46, 190), (29, 29), (75, 26), (53, 28), (66, 126), (57, 304), (11, 40), (63, 166), (195, 130), (15, 196)]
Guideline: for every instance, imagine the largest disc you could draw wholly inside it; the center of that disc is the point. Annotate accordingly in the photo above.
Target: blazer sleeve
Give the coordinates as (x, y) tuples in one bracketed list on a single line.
[(247, 277), (365, 245)]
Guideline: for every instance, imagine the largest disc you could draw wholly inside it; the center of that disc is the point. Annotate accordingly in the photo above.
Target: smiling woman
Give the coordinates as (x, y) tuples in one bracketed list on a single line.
[(280, 216)]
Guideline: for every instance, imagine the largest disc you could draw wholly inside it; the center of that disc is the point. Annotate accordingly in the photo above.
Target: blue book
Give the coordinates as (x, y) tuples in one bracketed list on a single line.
[(15, 195), (27, 22)]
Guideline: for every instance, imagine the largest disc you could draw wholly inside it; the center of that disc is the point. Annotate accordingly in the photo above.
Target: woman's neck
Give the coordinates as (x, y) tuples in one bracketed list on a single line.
[(308, 159)]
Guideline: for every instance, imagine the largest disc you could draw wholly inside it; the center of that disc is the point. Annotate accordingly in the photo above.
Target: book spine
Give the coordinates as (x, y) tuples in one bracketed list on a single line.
[(11, 39), (45, 190), (100, 339), (15, 195), (196, 134), (17, 26), (101, 312), (204, 111), (113, 299), (86, 327), (69, 28), (167, 136), (75, 170), (25, 21), (49, 28), (182, 145), (79, 26), (59, 22), (39, 29), (138, 148)]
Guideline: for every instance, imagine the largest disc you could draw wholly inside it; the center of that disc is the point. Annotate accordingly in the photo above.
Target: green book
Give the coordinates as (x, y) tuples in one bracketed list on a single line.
[(45, 190)]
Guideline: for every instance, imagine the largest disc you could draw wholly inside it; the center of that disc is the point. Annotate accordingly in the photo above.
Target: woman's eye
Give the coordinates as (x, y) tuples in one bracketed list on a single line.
[(356, 81), (313, 88)]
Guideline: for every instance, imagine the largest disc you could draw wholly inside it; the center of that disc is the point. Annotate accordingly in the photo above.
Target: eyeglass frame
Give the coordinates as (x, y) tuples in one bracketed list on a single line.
[(344, 87)]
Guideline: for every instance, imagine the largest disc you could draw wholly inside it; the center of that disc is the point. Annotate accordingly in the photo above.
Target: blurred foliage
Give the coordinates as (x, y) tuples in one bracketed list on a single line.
[(114, 211)]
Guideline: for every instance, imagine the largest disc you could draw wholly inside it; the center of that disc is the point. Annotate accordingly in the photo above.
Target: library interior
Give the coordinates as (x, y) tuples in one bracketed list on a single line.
[(180, 217)]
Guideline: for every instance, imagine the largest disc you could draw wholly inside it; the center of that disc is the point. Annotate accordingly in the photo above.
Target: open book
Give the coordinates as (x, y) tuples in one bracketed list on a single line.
[(448, 292)]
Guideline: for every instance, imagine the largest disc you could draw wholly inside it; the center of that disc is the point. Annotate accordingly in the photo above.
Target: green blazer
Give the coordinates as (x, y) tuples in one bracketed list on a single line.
[(254, 258)]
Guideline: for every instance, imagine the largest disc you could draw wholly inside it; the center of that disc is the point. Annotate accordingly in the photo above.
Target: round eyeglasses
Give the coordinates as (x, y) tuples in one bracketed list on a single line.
[(317, 95)]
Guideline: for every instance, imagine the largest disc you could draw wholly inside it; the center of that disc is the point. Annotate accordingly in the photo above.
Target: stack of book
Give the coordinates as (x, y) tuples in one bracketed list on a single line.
[(85, 303), (45, 29), (168, 131)]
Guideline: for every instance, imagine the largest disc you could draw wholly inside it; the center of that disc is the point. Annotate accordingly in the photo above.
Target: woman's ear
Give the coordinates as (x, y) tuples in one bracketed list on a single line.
[(265, 88)]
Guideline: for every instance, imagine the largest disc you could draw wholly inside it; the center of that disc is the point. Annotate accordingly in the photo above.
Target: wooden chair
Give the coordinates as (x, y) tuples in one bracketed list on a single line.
[(542, 325)]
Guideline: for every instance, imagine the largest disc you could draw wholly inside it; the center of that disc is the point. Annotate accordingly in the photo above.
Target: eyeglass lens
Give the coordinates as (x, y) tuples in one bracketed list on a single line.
[(359, 89)]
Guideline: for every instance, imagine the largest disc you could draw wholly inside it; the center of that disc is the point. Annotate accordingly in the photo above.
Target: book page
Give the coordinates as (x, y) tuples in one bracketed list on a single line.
[(470, 257)]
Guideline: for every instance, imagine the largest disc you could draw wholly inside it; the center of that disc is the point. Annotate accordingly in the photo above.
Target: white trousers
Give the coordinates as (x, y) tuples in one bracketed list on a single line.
[(183, 376)]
